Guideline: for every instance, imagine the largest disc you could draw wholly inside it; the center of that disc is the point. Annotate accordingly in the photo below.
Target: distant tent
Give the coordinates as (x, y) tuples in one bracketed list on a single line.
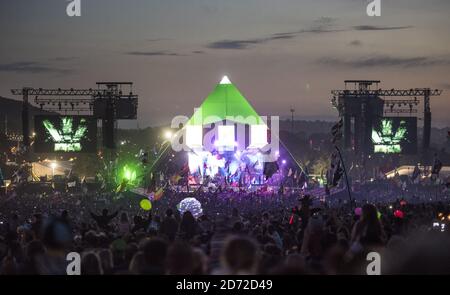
[(225, 102)]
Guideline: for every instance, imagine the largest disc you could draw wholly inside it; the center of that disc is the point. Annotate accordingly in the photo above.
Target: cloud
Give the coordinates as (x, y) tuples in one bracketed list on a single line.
[(355, 43), (32, 68), (153, 53), (284, 34), (321, 30), (245, 44), (320, 25), (385, 61), (379, 28), (68, 58), (444, 85), (248, 43), (157, 39), (281, 36), (234, 44)]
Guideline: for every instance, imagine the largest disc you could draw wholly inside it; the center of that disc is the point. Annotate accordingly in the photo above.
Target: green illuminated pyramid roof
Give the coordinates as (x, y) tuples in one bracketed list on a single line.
[(225, 102)]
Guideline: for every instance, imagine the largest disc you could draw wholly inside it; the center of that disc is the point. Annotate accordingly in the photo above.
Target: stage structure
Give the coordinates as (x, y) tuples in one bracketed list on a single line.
[(383, 121), (111, 101), (228, 141)]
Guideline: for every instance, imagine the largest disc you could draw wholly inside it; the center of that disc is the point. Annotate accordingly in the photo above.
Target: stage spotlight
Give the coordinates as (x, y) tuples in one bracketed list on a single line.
[(284, 162)]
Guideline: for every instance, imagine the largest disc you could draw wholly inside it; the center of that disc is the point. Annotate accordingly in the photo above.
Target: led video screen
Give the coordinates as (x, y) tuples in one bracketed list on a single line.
[(395, 135), (65, 134)]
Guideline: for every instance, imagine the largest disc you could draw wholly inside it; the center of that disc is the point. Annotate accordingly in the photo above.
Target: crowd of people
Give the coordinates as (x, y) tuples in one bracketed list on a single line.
[(238, 233)]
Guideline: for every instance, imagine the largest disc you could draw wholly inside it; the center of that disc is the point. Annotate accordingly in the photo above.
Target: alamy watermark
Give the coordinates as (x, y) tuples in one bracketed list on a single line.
[(374, 266), (374, 8), (74, 264), (74, 8)]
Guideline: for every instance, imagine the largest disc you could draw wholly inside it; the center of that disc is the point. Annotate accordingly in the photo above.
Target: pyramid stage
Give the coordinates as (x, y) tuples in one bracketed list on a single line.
[(228, 144)]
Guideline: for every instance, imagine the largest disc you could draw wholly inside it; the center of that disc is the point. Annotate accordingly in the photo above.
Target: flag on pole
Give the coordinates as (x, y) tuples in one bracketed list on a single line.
[(2, 181), (336, 127), (336, 131), (416, 173), (175, 178), (158, 194), (437, 166), (152, 185), (337, 171), (122, 186)]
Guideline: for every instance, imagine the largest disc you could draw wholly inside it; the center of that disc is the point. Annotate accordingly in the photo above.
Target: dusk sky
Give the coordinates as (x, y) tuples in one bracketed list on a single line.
[(279, 53)]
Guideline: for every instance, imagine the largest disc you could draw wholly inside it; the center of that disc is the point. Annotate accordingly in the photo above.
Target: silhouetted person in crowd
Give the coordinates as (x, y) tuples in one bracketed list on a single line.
[(368, 231), (141, 223), (155, 253), (180, 259), (104, 219), (240, 255), (169, 226), (34, 250), (106, 261), (188, 226), (124, 224), (57, 238)]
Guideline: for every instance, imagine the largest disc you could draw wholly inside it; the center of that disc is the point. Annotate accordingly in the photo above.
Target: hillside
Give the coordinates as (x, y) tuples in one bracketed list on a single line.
[(11, 114)]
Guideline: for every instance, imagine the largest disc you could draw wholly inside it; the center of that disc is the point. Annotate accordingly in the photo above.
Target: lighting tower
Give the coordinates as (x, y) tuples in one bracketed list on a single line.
[(292, 120)]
